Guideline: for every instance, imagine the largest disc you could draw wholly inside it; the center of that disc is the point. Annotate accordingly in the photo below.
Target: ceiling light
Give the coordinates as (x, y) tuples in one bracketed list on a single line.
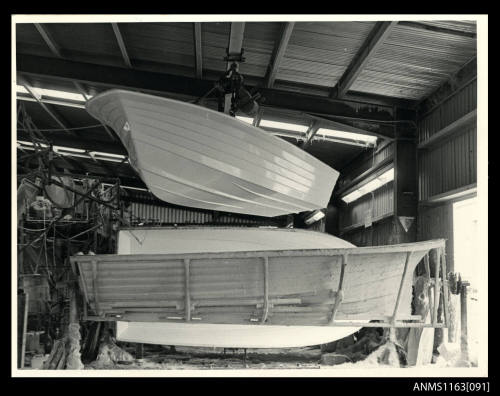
[(283, 125), (314, 217), (372, 185), (369, 139), (43, 93), (248, 120)]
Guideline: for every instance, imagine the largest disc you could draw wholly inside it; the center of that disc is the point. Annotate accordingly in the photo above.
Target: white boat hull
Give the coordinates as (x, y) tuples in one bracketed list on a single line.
[(192, 156), (229, 336)]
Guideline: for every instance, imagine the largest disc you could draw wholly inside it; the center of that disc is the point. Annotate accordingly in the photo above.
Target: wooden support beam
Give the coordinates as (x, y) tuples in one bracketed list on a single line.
[(47, 37), (121, 44), (266, 290), (94, 286), (187, 291), (376, 38), (400, 291), (437, 295), (340, 291), (279, 52), (444, 275), (198, 50)]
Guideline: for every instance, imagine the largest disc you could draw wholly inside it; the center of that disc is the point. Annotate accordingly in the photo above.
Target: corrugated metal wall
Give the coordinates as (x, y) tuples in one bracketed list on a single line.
[(452, 162), (437, 222), (462, 102), (364, 163), (381, 203), (380, 233)]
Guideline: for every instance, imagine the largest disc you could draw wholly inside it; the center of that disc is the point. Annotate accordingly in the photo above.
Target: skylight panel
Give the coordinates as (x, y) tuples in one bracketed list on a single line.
[(358, 137), (284, 126)]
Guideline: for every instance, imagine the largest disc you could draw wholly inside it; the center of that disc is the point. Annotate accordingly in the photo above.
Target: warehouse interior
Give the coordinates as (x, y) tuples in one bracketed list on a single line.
[(389, 104)]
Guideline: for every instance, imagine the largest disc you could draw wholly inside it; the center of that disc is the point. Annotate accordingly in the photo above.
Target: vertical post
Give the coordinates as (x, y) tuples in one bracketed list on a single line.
[(94, 286), (436, 286), (139, 351), (340, 291), (401, 285), (445, 292), (266, 290), (25, 328), (73, 311), (464, 342), (187, 291)]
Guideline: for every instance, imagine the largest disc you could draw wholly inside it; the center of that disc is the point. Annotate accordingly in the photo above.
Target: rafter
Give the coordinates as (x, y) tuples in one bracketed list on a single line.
[(47, 37), (162, 83), (121, 44), (44, 106), (376, 38), (279, 52), (198, 50)]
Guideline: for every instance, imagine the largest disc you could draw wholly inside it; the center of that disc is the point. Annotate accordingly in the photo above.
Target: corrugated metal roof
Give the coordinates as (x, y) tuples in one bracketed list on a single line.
[(319, 52), (171, 43), (413, 62), (28, 40), (410, 64), (463, 26)]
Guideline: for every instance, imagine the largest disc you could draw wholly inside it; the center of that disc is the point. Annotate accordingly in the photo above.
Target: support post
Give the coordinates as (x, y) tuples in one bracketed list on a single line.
[(445, 292), (436, 286), (139, 351), (187, 291), (400, 291), (266, 290), (464, 342), (340, 292)]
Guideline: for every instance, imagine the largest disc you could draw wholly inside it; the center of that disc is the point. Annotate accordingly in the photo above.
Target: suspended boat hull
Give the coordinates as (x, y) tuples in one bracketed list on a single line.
[(192, 156), (309, 287)]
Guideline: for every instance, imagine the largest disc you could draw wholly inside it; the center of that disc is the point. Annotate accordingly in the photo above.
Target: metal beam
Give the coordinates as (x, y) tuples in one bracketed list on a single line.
[(279, 52), (44, 106), (236, 38), (366, 52), (153, 82), (48, 40), (311, 132), (198, 50), (87, 97), (121, 44), (437, 29)]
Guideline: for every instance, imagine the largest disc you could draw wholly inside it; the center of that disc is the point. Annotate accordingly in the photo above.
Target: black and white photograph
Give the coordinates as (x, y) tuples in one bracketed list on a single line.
[(249, 195)]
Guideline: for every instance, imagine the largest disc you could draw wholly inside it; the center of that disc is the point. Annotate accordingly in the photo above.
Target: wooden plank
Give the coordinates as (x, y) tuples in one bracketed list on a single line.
[(24, 328), (400, 291), (187, 291), (436, 285), (445, 289), (266, 290), (340, 291)]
